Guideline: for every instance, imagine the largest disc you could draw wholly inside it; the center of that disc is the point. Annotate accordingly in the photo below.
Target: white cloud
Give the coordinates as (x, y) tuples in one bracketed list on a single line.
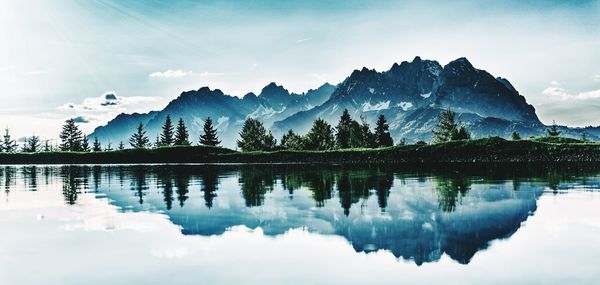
[(108, 101), (563, 94), (169, 74), (597, 77), (303, 40)]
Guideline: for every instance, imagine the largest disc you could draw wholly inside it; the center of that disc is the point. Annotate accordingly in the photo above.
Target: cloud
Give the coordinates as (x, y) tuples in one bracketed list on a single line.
[(563, 94), (596, 77), (169, 74), (108, 101), (303, 40)]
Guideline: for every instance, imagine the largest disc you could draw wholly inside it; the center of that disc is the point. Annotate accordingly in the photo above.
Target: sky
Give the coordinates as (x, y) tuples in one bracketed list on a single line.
[(92, 59)]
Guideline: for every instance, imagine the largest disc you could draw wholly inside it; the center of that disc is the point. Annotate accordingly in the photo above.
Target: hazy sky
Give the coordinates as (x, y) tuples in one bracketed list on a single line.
[(58, 59)]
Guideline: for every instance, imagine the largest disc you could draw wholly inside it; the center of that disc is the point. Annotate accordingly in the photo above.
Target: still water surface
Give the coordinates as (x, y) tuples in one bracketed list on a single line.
[(194, 224)]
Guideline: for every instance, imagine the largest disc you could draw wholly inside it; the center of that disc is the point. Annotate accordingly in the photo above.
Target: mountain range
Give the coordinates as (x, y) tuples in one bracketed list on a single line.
[(409, 94)]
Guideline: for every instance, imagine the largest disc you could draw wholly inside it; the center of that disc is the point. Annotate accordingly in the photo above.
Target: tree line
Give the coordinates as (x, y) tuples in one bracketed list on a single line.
[(348, 133)]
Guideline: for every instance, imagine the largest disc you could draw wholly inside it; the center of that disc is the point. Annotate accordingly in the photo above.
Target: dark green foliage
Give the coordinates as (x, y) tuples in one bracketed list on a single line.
[(97, 146), (362, 137), (121, 145), (382, 133), (71, 137), (109, 147), (181, 134), (85, 145), (461, 133), (445, 127), (292, 141), (47, 146), (254, 137), (344, 129), (515, 136), (401, 142), (553, 131), (8, 144), (166, 137), (32, 144), (320, 136), (209, 137), (139, 139), (421, 143)]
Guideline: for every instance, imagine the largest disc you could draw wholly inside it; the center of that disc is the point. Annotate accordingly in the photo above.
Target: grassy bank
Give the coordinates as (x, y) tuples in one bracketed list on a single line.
[(488, 150)]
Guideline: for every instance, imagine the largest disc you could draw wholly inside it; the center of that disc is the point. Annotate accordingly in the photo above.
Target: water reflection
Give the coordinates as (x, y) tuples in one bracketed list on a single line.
[(417, 216)]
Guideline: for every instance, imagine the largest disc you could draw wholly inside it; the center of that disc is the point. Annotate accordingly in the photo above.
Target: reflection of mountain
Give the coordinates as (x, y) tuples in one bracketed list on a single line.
[(414, 217)]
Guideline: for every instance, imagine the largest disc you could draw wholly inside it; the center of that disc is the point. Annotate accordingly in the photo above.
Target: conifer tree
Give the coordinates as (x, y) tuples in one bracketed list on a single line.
[(181, 134), (32, 144), (109, 146), (254, 137), (47, 147), (344, 128), (166, 137), (382, 134), (8, 144), (515, 136), (460, 133), (139, 139), (445, 127), (157, 142), (320, 136), (71, 137), (121, 145), (292, 141), (363, 137), (97, 146), (553, 131), (210, 134), (85, 145)]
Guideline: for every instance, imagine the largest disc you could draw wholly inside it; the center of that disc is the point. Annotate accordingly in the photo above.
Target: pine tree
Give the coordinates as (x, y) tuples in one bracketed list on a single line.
[(47, 147), (320, 136), (157, 142), (109, 146), (32, 144), (254, 137), (210, 134), (445, 127), (166, 137), (139, 139), (292, 141), (362, 135), (382, 134), (553, 131), (71, 137), (85, 145), (461, 133), (181, 134), (515, 136), (97, 145), (344, 128), (121, 145), (8, 144)]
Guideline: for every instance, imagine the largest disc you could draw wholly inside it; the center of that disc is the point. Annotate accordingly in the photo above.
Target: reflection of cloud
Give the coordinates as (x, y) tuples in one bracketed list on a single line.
[(563, 94), (169, 74)]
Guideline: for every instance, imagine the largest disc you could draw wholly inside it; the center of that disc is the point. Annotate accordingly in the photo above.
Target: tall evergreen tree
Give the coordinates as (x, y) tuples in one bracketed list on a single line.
[(166, 137), (97, 146), (254, 137), (292, 141), (515, 136), (85, 145), (181, 134), (32, 144), (382, 133), (121, 145), (320, 136), (210, 134), (460, 133), (71, 137), (445, 127), (363, 137), (109, 146), (47, 146), (8, 144), (553, 131), (139, 139), (344, 129), (157, 141)]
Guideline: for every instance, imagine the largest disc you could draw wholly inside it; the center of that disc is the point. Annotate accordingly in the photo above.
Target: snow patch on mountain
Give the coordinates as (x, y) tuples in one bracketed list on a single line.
[(379, 106), (372, 90), (426, 95), (405, 105)]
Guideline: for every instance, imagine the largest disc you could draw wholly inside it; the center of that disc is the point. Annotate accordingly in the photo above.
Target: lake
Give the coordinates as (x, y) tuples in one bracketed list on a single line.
[(298, 224)]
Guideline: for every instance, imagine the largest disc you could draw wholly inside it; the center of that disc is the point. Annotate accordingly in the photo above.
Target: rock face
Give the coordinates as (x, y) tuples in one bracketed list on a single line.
[(409, 94)]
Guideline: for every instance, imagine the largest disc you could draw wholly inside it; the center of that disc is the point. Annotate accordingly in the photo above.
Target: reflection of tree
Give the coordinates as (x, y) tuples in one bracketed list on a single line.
[(384, 183), (210, 185), (139, 182), (255, 183), (163, 177), (450, 190), (72, 182), (182, 182), (30, 177), (96, 170), (318, 181), (351, 187), (9, 178)]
